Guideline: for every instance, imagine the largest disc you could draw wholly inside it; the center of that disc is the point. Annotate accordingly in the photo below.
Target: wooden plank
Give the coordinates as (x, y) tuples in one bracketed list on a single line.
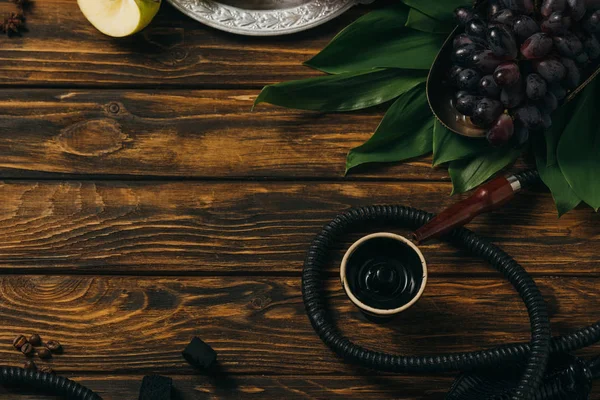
[(197, 134), (63, 49), (118, 387), (258, 326), (253, 227)]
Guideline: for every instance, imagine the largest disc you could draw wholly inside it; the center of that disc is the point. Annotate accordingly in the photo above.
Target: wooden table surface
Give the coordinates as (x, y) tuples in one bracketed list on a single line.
[(143, 203)]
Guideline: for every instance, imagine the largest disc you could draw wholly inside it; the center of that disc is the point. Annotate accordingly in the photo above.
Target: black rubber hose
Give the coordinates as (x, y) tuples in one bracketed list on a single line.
[(537, 350), (50, 384)]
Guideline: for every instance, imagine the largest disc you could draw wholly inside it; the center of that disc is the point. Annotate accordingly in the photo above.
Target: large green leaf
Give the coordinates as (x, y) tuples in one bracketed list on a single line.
[(379, 39), (405, 132), (448, 146), (343, 92), (423, 22), (564, 196), (470, 173), (578, 150), (560, 119), (442, 10)]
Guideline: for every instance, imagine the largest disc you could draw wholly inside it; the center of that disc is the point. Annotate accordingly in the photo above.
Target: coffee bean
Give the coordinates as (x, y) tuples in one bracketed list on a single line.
[(44, 353), (35, 339), (54, 346), (27, 349), (46, 369), (29, 364), (19, 342)]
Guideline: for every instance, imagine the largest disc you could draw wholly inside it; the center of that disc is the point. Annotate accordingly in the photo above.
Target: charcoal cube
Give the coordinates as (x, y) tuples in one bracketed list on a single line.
[(156, 387), (199, 354)]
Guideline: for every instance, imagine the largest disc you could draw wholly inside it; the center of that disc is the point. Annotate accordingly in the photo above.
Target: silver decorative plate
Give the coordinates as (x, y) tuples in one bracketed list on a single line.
[(264, 17)]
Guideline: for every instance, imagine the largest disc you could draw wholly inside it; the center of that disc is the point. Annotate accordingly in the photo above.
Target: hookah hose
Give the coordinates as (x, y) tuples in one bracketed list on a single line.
[(536, 353), (48, 383)]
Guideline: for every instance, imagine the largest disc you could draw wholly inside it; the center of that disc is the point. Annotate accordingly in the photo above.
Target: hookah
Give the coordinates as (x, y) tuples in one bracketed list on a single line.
[(383, 274)]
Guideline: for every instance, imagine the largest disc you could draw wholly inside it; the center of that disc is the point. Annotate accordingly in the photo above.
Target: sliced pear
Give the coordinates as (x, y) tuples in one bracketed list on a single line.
[(119, 18)]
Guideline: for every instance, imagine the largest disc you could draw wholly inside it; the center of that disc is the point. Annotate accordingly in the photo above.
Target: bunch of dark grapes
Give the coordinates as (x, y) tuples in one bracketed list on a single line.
[(514, 66)]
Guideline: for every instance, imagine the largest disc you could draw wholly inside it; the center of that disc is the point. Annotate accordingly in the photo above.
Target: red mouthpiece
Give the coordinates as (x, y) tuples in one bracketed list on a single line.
[(486, 198)]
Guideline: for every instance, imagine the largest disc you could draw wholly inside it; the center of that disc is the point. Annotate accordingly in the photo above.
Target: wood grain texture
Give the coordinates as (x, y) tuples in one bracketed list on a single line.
[(200, 134), (119, 387), (252, 227), (123, 325), (63, 49)]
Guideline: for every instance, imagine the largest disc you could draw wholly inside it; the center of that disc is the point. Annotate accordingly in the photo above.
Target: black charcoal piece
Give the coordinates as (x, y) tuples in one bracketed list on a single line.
[(199, 354), (156, 387)]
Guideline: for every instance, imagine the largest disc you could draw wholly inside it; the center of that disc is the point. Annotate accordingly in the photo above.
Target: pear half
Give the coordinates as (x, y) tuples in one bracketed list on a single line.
[(119, 18)]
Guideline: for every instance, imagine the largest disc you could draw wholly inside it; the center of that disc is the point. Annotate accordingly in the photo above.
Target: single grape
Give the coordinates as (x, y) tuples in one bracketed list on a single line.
[(556, 24), (453, 74), (512, 96), (525, 26), (568, 45), (485, 61), (495, 6), (476, 28), (535, 87), (505, 17), (550, 69), (463, 15), (486, 112), (468, 79), (592, 47), (536, 46), (558, 91), (582, 58), (573, 76), (546, 121), (464, 54), (507, 74), (549, 103), (502, 42), (502, 131), (521, 134), (488, 87), (592, 23), (461, 40), (466, 104), (551, 6), (577, 8), (521, 6), (529, 115)]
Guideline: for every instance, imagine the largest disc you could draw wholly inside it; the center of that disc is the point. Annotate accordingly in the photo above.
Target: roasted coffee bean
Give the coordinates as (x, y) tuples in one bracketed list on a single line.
[(19, 342), (27, 349), (46, 370), (54, 346), (29, 364), (44, 353), (35, 339)]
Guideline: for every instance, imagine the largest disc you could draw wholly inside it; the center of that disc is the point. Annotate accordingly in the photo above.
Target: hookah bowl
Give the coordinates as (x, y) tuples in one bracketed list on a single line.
[(383, 274)]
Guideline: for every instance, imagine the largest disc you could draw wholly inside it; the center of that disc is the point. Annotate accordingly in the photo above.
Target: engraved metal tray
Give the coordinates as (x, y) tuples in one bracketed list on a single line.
[(264, 17)]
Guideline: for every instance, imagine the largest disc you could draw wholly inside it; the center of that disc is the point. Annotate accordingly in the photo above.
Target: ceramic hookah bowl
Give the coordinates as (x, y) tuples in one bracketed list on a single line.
[(383, 274)]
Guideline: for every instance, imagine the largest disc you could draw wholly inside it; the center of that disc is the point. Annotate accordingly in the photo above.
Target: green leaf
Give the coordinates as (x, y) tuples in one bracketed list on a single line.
[(578, 150), (470, 173), (379, 40), (564, 196), (448, 146), (405, 132), (343, 92), (423, 22), (442, 10), (560, 119)]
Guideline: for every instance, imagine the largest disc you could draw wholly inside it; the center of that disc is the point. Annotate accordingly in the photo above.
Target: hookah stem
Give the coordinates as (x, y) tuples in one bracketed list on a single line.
[(537, 351), (486, 198)]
